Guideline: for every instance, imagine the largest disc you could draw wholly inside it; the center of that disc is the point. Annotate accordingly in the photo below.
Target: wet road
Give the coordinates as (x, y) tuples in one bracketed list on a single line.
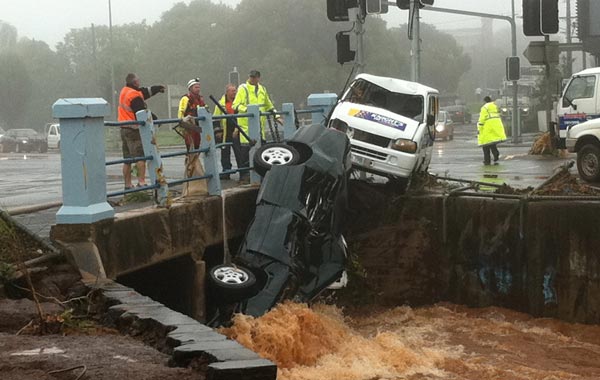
[(30, 179)]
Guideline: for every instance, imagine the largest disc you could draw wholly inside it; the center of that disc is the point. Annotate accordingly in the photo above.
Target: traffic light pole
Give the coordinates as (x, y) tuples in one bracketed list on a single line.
[(360, 51), (415, 41), (515, 124)]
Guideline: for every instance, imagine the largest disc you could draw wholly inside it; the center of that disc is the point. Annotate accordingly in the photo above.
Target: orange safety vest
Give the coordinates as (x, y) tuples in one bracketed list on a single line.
[(125, 98)]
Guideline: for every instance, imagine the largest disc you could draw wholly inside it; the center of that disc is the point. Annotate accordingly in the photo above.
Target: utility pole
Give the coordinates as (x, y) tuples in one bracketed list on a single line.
[(360, 32), (415, 37), (569, 40), (112, 64)]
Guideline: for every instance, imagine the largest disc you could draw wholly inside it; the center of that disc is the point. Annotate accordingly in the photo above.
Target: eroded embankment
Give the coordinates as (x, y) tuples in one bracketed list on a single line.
[(443, 341)]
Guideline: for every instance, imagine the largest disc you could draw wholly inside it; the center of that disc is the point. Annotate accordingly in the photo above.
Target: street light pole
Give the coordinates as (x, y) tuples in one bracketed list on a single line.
[(112, 64)]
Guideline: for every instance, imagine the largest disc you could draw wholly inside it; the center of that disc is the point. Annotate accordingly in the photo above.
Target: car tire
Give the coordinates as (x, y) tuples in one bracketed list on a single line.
[(1, 148), (451, 136), (43, 148), (274, 154), (231, 283), (18, 148), (588, 163)]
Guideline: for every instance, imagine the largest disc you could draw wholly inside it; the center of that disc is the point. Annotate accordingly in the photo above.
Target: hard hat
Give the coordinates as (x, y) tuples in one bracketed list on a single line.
[(193, 82)]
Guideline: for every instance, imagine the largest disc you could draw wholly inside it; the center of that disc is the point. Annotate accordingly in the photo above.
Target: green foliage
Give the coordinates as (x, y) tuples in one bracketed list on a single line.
[(7, 272)]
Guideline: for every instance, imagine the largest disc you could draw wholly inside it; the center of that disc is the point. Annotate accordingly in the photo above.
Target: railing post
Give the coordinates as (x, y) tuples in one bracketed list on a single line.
[(82, 159), (323, 101), (211, 165), (255, 133), (155, 166), (289, 120)]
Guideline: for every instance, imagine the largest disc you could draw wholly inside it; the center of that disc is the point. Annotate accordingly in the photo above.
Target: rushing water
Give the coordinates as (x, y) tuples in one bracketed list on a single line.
[(443, 341)]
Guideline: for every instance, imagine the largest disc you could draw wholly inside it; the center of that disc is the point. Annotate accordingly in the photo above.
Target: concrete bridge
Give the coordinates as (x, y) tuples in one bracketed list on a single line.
[(534, 254)]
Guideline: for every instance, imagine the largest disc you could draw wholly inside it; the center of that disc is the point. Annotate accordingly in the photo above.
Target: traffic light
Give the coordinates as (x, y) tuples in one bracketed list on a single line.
[(513, 68), (549, 14), (337, 10), (344, 54), (405, 4), (540, 17), (374, 6)]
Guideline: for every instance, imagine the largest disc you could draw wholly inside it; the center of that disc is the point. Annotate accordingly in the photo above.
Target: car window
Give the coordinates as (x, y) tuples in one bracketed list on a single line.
[(364, 92)]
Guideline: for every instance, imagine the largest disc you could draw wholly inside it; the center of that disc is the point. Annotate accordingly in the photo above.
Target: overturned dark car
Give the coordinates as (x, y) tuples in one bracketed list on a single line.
[(293, 248)]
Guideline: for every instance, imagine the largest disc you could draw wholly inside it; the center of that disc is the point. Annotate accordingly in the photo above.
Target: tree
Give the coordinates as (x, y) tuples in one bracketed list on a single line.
[(8, 36), (15, 89)]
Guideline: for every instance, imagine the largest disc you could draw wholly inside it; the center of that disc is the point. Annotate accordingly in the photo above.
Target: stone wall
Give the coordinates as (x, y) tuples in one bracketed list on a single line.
[(537, 257)]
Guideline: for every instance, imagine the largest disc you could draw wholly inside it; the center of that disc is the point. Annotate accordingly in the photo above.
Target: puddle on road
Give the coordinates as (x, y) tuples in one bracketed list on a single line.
[(439, 342)]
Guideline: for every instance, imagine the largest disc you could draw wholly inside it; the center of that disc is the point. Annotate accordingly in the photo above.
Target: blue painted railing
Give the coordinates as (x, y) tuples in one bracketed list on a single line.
[(83, 158)]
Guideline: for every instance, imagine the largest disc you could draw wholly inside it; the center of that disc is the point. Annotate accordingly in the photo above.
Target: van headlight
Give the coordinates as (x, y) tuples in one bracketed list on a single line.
[(342, 126), (439, 127), (504, 109), (404, 145), (525, 109)]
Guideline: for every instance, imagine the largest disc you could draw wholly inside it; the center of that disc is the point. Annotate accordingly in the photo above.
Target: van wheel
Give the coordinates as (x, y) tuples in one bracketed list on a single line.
[(588, 163)]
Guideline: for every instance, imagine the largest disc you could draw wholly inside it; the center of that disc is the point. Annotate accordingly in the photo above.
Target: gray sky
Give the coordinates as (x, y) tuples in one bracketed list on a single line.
[(49, 20)]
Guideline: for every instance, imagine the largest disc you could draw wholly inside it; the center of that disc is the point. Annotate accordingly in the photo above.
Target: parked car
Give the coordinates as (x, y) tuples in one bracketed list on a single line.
[(444, 129), (391, 126), (28, 140), (584, 139), (52, 132), (459, 114), (7, 143)]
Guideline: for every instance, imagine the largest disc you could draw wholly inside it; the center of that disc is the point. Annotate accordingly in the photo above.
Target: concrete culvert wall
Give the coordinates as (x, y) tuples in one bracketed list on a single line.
[(536, 257)]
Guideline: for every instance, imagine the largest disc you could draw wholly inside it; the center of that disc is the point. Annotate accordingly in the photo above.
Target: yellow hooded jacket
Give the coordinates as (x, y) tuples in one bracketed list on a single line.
[(490, 128)]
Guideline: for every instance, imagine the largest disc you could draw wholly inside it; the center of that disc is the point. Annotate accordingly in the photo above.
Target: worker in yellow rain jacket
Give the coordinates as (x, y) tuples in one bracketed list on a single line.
[(251, 92), (490, 131)]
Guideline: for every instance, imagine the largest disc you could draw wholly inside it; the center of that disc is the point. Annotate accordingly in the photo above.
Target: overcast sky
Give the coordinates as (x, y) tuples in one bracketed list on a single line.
[(50, 20)]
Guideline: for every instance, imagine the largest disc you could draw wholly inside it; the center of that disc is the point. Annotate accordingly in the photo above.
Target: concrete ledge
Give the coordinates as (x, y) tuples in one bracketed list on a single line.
[(182, 337), (242, 370)]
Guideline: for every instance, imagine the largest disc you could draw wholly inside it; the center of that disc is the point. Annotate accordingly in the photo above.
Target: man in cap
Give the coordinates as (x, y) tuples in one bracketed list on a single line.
[(251, 92), (188, 106), (131, 100)]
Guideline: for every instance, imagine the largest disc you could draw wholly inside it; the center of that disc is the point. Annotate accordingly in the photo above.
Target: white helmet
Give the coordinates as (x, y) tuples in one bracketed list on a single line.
[(193, 82)]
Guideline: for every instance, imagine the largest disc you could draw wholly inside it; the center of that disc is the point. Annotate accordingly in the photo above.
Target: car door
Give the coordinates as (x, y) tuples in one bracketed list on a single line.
[(53, 136)]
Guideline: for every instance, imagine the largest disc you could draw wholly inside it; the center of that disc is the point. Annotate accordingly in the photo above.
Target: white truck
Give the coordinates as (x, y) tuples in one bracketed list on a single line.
[(578, 113), (580, 100), (390, 124), (52, 132)]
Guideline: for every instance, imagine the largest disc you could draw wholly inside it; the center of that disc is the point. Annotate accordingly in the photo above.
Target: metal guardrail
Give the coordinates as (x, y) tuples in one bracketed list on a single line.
[(82, 119)]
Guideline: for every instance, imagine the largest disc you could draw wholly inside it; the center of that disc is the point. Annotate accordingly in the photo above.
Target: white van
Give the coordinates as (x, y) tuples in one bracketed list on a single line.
[(53, 135), (390, 123), (580, 100)]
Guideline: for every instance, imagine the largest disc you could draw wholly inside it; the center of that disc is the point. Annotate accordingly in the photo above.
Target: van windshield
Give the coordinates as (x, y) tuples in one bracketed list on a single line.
[(364, 92)]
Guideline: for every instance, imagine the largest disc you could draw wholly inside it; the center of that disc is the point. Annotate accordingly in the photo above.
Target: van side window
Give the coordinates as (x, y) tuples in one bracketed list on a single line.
[(580, 87)]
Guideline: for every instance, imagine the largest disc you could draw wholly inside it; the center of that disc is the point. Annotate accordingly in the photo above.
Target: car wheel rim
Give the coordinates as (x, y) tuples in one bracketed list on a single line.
[(590, 165), (277, 156), (231, 275)]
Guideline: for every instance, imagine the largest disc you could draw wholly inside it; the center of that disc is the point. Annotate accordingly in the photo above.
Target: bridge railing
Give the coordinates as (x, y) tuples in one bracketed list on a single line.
[(83, 156)]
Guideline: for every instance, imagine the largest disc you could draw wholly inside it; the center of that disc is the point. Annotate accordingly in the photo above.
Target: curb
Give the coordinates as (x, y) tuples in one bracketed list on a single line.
[(180, 336), (35, 208)]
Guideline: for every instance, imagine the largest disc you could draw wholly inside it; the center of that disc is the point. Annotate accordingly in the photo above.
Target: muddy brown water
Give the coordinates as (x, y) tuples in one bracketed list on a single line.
[(444, 341)]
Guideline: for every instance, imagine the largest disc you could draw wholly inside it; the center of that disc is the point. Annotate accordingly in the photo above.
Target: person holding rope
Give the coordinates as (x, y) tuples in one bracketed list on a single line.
[(226, 130), (188, 106), (251, 92)]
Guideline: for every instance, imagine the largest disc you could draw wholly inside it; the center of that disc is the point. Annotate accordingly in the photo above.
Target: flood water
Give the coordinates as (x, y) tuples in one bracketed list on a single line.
[(443, 341)]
